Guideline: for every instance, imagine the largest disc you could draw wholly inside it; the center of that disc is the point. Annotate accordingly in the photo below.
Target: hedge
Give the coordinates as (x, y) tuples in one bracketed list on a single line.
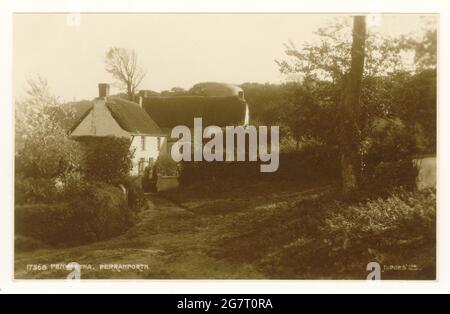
[(313, 163), (93, 212)]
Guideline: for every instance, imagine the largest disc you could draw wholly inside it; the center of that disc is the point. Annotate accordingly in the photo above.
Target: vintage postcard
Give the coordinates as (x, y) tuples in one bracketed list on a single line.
[(225, 145)]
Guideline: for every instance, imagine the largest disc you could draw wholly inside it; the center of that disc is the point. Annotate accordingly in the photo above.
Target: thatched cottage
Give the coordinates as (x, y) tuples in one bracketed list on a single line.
[(149, 123), (114, 116)]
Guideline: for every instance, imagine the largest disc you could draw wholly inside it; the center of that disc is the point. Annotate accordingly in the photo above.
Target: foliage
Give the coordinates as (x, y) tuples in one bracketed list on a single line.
[(44, 154), (33, 189), (387, 140), (166, 166), (89, 211), (306, 110), (307, 115), (34, 109), (416, 106), (43, 149), (383, 230), (106, 159), (425, 46), (324, 237), (264, 101), (136, 198), (329, 57), (386, 176), (389, 87), (48, 155), (312, 163), (58, 194)]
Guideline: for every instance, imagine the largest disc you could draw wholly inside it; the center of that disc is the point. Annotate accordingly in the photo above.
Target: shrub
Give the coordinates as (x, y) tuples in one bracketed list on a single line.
[(32, 190), (388, 140), (387, 153), (106, 158), (341, 238), (92, 211), (166, 166), (136, 198), (387, 176), (312, 163), (397, 230)]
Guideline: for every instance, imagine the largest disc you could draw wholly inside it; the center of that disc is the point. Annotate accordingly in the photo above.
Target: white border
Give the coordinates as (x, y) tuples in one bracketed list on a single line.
[(218, 286)]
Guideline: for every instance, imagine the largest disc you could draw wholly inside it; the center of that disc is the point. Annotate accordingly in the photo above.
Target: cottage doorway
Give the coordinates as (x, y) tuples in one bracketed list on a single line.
[(149, 177)]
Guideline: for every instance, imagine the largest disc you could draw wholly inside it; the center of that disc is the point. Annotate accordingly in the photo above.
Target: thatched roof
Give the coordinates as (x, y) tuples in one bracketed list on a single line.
[(169, 112), (129, 115)]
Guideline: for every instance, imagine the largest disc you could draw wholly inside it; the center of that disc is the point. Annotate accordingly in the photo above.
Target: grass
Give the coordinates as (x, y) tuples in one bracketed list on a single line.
[(251, 230)]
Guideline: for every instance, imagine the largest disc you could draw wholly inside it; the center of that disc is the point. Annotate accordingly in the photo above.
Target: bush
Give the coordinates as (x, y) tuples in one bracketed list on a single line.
[(398, 230), (107, 158), (312, 163), (387, 141), (341, 238), (136, 198), (92, 211), (387, 153), (32, 190), (47, 153), (166, 166), (390, 175)]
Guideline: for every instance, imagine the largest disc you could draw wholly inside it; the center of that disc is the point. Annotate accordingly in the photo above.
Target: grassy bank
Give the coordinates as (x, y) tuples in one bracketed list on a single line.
[(256, 230)]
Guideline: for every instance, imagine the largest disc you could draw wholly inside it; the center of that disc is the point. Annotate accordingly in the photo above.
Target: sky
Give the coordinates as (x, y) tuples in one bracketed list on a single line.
[(177, 50)]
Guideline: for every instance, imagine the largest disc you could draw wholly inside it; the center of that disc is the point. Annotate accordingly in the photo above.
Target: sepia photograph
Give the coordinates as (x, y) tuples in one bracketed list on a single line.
[(294, 146)]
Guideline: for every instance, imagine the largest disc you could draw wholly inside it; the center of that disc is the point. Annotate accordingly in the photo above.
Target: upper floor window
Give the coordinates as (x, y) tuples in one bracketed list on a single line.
[(142, 142)]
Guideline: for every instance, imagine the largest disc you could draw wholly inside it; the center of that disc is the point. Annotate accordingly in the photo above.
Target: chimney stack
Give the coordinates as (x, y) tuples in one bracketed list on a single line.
[(103, 90)]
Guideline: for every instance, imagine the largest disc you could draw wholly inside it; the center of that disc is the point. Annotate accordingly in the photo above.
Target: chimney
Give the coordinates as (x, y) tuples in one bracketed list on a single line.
[(103, 90)]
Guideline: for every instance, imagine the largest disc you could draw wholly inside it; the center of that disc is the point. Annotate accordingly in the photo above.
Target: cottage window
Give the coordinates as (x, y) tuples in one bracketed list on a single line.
[(142, 142)]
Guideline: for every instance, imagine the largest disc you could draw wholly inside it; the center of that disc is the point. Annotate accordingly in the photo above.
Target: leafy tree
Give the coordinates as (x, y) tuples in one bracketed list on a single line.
[(262, 98), (424, 45), (44, 156), (389, 89), (106, 158), (43, 148), (349, 110), (123, 65), (329, 58)]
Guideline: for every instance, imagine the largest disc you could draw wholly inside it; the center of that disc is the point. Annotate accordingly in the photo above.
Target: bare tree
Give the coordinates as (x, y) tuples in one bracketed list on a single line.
[(349, 131), (123, 65)]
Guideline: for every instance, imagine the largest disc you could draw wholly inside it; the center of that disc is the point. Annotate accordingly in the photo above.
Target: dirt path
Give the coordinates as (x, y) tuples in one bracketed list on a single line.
[(169, 241), (189, 240)]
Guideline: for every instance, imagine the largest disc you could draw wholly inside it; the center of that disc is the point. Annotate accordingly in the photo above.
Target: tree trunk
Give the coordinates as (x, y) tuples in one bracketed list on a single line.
[(349, 132), (130, 92)]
